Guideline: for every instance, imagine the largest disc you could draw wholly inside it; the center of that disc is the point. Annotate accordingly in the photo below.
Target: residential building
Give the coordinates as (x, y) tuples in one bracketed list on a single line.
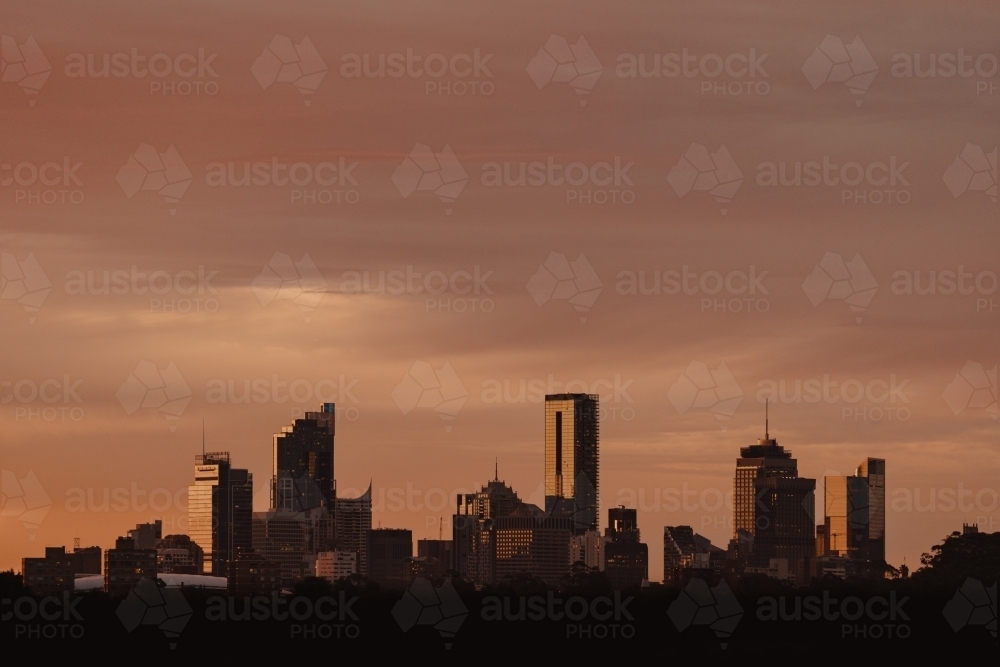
[(220, 510), (571, 458), (125, 565), (336, 565), (387, 550), (50, 575)]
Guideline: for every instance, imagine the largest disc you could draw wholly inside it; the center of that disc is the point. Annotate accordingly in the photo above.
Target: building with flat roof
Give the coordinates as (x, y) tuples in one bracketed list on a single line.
[(571, 458), (50, 575), (125, 565), (388, 549)]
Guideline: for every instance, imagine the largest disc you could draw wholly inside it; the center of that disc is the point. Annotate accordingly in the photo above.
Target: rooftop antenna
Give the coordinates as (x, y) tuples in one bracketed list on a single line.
[(440, 528), (202, 437), (496, 469), (767, 436)]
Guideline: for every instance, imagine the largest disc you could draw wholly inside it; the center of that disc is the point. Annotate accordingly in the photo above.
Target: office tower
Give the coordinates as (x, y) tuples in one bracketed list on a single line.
[(336, 565), (125, 565), (50, 575), (846, 516), (353, 517), (625, 557), (774, 507), (178, 554), (145, 535), (588, 549), (687, 555), (302, 463), (387, 549), (874, 471), (496, 536), (571, 458), (854, 516), (220, 510)]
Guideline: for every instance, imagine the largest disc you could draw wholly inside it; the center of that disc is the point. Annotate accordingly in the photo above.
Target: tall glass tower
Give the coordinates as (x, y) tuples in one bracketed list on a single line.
[(220, 510), (303, 463), (571, 458)]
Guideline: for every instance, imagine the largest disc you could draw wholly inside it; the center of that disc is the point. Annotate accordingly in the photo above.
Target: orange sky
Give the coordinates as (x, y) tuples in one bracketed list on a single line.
[(673, 459)]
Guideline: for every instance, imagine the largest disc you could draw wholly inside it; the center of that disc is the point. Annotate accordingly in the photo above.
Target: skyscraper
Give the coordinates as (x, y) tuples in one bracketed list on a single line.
[(626, 558), (353, 517), (302, 463), (854, 516), (220, 510), (571, 458), (774, 506)]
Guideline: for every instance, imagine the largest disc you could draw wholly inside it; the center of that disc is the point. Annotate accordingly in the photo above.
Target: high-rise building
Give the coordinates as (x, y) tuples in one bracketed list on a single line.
[(86, 560), (293, 539), (854, 516), (125, 565), (220, 510), (250, 574), (302, 463), (388, 549), (439, 549), (625, 557), (687, 555), (571, 458), (353, 517), (774, 507), (496, 536), (874, 471), (49, 575)]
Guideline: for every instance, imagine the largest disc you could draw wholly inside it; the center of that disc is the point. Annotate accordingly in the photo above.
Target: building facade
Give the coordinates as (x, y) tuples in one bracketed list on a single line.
[(302, 463), (179, 554), (220, 510), (336, 565), (388, 549), (773, 507), (571, 458), (625, 559), (125, 565), (353, 518), (50, 575)]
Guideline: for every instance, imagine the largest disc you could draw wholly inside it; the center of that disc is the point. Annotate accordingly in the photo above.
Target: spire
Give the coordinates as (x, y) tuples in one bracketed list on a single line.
[(767, 436), (496, 469), (203, 436)]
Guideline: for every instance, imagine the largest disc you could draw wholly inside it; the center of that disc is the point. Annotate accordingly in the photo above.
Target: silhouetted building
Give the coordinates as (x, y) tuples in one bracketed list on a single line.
[(293, 539), (687, 555), (50, 575), (353, 520), (774, 506), (439, 549), (588, 548), (846, 516), (145, 535), (86, 560), (387, 550), (571, 458), (874, 471), (220, 510), (179, 554), (496, 537), (625, 558), (336, 565), (302, 463), (251, 574), (125, 565)]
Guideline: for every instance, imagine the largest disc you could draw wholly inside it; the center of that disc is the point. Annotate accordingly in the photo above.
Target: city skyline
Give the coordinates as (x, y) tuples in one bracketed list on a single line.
[(436, 298)]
